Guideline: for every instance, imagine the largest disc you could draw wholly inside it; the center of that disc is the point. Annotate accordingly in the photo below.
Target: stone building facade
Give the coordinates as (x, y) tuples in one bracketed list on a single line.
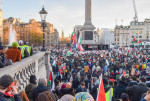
[(124, 35), (24, 31)]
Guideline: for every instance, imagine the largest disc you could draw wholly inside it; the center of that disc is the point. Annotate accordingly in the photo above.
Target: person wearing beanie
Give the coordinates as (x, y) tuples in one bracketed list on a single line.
[(14, 53), (29, 88), (6, 85), (63, 86)]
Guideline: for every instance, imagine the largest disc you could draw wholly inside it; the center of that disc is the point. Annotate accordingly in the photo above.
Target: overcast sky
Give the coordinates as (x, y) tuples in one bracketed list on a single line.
[(65, 14)]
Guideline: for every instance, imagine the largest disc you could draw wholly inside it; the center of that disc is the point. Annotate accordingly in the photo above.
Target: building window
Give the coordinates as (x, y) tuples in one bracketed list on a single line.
[(140, 32), (136, 32), (115, 39), (140, 36), (132, 32), (118, 39), (132, 36), (147, 37)]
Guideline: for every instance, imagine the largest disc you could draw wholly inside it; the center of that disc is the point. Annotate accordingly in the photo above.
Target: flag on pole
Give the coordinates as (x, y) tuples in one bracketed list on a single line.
[(49, 81), (79, 43), (54, 63), (101, 91), (74, 37), (69, 52)]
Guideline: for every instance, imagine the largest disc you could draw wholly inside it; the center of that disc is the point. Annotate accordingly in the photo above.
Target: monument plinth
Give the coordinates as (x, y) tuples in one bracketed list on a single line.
[(88, 28)]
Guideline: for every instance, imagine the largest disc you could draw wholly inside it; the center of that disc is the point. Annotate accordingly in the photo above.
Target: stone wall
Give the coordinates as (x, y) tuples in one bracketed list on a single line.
[(38, 64)]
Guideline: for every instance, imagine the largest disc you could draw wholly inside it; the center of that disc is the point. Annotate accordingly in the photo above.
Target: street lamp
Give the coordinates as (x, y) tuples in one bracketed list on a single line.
[(43, 15)]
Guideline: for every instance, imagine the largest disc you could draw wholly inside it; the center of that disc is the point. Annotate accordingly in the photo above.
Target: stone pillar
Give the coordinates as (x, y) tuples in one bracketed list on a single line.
[(88, 12), (47, 64)]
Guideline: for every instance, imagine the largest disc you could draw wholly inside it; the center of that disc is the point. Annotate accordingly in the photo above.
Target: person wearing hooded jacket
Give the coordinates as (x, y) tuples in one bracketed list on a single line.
[(121, 87), (29, 88), (136, 91)]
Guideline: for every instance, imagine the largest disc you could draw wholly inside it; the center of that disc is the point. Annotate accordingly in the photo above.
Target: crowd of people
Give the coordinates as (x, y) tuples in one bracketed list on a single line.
[(14, 53), (76, 77)]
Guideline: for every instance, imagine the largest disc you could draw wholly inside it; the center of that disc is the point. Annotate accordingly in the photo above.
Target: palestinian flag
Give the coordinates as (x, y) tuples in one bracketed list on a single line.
[(79, 43), (73, 37), (49, 81), (69, 53), (140, 42), (101, 91), (54, 63), (146, 59), (135, 39)]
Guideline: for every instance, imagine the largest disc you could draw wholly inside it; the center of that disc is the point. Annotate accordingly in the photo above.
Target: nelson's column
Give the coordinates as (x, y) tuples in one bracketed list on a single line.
[(88, 28)]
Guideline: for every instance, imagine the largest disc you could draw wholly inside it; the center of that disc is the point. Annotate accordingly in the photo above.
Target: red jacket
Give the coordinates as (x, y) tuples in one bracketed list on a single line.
[(14, 54)]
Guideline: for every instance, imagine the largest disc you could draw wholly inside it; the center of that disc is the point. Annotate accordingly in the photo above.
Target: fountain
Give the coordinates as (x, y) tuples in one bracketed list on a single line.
[(12, 36)]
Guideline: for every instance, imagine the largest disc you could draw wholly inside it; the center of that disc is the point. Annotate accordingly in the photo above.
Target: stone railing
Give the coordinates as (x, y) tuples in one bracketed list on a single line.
[(38, 64)]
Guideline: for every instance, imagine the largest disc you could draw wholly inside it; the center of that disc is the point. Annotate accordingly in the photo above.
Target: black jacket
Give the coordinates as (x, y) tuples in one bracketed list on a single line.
[(29, 90), (120, 88), (136, 91), (67, 91), (94, 91), (132, 83), (3, 97), (148, 84), (75, 83), (88, 83), (40, 88)]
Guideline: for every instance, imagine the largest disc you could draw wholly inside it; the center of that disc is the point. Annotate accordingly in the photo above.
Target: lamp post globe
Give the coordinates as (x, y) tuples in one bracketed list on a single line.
[(43, 13)]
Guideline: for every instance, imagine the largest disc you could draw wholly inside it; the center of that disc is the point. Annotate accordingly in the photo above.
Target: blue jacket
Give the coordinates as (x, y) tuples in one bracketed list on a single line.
[(80, 90), (143, 99)]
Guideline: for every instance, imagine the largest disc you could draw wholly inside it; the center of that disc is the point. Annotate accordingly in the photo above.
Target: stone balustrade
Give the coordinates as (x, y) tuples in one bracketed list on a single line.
[(38, 64)]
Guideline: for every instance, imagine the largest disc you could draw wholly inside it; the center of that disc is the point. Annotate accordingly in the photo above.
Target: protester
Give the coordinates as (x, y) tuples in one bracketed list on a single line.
[(135, 92), (124, 97), (28, 50), (5, 86), (22, 93), (66, 97), (83, 96), (81, 88), (40, 88), (45, 96), (121, 87), (29, 88), (14, 54)]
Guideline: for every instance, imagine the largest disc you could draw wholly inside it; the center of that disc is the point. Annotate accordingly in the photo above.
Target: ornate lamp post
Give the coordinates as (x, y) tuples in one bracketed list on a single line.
[(43, 15)]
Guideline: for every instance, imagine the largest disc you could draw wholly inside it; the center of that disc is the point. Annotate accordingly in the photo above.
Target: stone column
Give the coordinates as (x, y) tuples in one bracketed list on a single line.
[(88, 12)]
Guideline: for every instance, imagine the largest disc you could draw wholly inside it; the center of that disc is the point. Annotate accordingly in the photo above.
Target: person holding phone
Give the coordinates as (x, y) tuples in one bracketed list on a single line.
[(7, 85)]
